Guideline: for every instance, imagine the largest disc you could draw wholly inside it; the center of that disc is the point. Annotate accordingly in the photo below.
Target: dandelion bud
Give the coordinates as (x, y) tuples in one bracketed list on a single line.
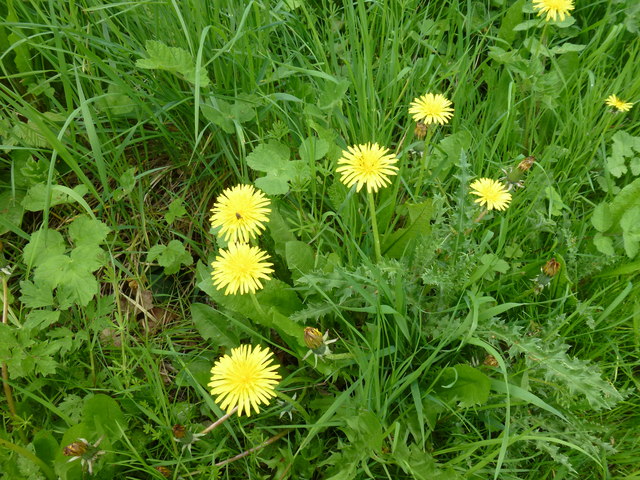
[(82, 450), (490, 361), (421, 130), (547, 272), (514, 176), (164, 471), (76, 449), (526, 164), (179, 431), (551, 268), (313, 338)]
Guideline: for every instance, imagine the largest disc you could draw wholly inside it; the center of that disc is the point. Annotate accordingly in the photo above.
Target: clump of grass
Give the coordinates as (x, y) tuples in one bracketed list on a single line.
[(466, 342)]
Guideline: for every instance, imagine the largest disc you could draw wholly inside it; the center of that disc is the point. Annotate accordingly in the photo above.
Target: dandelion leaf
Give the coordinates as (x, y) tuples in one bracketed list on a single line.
[(468, 385), (213, 325), (104, 417), (512, 17), (396, 244), (300, 257), (279, 231)]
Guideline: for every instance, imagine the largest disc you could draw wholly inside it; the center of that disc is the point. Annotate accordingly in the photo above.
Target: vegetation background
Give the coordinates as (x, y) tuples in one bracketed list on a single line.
[(120, 124)]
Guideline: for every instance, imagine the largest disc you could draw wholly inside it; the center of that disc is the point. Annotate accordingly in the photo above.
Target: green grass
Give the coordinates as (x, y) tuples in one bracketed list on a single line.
[(447, 365)]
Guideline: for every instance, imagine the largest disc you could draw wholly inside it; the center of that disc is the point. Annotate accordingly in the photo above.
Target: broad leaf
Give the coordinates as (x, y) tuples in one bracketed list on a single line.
[(468, 385), (36, 197), (85, 230), (214, 326), (171, 256), (172, 59), (43, 244)]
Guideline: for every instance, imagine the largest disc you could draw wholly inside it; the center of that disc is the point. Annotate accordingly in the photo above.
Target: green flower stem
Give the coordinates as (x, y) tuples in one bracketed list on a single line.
[(481, 216), (425, 154), (269, 441), (219, 421), (256, 304), (374, 226), (5, 371)]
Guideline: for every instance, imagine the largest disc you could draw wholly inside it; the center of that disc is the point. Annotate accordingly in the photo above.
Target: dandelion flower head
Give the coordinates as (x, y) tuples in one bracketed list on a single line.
[(241, 211), (244, 379), (491, 193), (431, 108), (553, 8), (240, 268), (368, 164), (620, 105)]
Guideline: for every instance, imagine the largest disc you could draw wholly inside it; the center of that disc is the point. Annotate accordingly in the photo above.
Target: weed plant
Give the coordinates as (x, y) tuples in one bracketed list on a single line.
[(469, 343)]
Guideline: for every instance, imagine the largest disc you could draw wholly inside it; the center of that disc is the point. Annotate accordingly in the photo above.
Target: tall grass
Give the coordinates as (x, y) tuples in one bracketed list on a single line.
[(448, 364)]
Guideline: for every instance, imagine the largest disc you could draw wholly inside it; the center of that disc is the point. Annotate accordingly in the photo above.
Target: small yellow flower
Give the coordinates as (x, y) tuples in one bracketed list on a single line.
[(492, 193), (244, 379), (240, 268), (368, 164), (553, 8), (241, 211), (431, 108), (620, 105)]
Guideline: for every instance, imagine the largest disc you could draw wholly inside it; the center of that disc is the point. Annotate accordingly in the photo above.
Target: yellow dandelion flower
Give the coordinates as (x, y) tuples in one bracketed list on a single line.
[(620, 105), (553, 8), (431, 108), (240, 268), (492, 193), (244, 379), (367, 164), (241, 211)]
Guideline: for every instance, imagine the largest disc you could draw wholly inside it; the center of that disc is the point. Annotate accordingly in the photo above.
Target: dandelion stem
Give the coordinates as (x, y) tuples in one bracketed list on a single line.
[(5, 370), (425, 155), (481, 216), (220, 421), (251, 450), (374, 226), (256, 304)]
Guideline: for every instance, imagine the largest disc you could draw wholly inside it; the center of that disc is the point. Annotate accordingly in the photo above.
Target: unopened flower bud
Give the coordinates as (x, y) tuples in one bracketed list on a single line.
[(551, 268), (490, 361), (526, 164), (76, 449), (420, 131), (164, 471), (313, 338), (179, 431)]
